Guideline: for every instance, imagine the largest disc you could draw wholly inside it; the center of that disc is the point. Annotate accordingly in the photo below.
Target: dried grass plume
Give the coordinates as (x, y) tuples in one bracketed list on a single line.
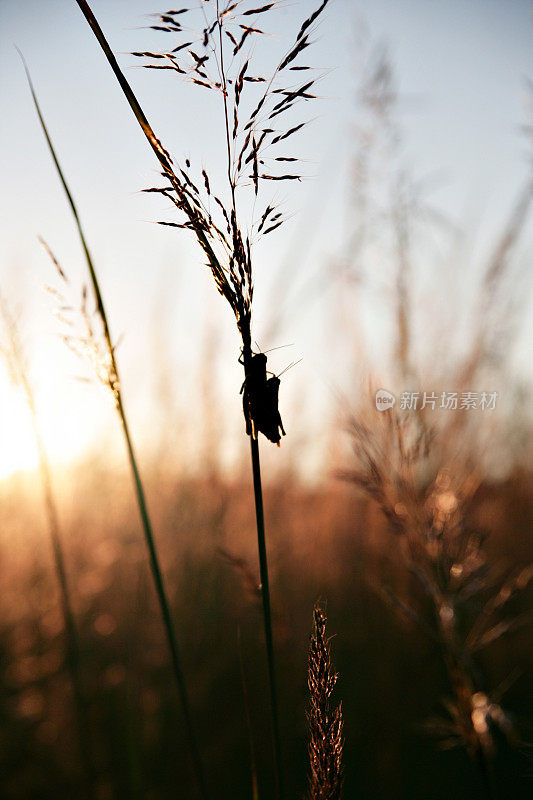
[(325, 727)]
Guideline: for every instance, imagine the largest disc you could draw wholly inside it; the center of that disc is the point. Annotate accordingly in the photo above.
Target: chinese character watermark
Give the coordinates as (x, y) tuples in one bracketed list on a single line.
[(450, 401)]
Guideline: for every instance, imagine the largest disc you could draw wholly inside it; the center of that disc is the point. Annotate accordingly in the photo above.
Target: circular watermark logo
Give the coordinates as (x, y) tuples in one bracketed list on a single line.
[(384, 400)]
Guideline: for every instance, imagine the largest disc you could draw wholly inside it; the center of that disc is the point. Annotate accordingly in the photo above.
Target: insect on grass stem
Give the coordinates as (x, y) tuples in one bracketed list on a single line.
[(265, 594)]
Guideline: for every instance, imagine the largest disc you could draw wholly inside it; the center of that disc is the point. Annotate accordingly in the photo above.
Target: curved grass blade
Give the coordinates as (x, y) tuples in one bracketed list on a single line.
[(139, 488)]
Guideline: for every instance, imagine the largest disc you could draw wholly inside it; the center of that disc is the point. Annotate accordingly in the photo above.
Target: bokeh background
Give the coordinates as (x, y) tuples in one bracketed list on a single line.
[(405, 265)]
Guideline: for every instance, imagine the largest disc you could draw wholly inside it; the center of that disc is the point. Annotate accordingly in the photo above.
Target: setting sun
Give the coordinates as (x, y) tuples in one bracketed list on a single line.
[(18, 451)]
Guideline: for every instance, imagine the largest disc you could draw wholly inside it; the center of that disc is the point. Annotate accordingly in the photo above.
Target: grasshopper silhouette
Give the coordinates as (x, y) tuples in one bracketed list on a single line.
[(260, 400)]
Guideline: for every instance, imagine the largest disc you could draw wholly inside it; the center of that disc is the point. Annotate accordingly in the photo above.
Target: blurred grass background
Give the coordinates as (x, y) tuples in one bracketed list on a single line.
[(325, 543)]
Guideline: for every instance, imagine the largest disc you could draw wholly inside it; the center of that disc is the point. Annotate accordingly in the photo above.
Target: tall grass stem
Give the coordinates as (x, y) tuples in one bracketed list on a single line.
[(487, 776), (165, 609), (267, 614), (138, 485), (253, 766)]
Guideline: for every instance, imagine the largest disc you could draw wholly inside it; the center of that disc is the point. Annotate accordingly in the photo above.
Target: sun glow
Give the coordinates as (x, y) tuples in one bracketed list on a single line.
[(64, 437), (18, 450)]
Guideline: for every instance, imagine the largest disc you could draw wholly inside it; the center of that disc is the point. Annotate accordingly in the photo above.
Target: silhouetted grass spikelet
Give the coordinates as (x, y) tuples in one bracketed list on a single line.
[(325, 726)]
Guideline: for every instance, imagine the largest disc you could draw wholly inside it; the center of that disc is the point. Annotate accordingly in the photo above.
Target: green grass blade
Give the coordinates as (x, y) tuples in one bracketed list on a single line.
[(126, 88), (155, 144), (138, 484)]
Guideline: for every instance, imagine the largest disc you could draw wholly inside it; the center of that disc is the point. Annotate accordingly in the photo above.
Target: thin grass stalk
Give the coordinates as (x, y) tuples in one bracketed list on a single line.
[(463, 690), (267, 615), (253, 767), (138, 484), (140, 116), (487, 775), (72, 657), (163, 602), (164, 605), (258, 490)]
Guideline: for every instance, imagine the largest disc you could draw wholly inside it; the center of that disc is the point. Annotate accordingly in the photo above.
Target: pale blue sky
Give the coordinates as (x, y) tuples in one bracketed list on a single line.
[(460, 65)]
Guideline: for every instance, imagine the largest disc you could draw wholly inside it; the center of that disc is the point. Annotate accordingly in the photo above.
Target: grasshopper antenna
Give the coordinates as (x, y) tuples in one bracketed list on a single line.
[(280, 347), (271, 349), (291, 365)]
